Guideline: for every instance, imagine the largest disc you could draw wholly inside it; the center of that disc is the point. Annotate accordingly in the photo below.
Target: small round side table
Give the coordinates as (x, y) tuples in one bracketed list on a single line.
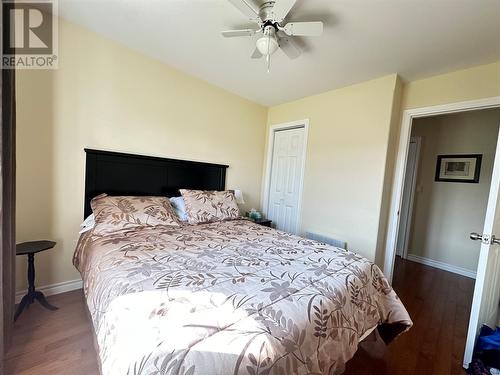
[(30, 249)]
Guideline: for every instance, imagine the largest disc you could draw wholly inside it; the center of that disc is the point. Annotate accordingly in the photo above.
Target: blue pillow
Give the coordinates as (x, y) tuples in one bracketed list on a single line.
[(179, 207)]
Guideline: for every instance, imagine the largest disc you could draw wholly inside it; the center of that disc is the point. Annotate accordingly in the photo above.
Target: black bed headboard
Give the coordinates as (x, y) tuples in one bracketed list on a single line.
[(117, 173)]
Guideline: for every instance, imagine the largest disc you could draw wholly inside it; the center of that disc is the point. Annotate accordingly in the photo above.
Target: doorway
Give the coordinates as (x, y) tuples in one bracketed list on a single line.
[(284, 180), (446, 211), (442, 203)]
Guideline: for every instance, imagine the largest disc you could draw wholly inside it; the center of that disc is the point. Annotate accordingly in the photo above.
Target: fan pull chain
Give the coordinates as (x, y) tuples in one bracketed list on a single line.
[(268, 53)]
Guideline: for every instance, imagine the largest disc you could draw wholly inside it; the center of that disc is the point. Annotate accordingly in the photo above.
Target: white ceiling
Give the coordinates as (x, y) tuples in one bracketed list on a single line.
[(363, 39)]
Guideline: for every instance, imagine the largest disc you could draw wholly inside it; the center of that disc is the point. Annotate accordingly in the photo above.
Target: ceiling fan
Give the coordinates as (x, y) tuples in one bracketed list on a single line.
[(269, 17)]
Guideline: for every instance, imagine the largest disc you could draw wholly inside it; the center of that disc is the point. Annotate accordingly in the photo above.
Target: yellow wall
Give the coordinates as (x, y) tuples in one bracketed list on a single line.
[(469, 84), (352, 147), (348, 141), (389, 173), (106, 96)]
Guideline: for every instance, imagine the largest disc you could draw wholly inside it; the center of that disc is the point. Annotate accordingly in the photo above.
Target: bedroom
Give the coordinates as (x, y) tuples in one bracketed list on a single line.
[(146, 82)]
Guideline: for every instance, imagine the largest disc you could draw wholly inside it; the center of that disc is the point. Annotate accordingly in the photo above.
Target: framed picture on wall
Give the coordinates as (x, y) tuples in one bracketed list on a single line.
[(458, 168)]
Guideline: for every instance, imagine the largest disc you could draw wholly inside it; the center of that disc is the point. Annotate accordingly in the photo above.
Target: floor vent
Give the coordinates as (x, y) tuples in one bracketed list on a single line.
[(327, 240)]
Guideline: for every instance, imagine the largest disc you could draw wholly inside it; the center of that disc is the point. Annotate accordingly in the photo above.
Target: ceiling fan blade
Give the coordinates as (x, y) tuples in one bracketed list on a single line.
[(256, 54), (304, 28), (290, 48), (248, 8), (235, 33), (281, 9)]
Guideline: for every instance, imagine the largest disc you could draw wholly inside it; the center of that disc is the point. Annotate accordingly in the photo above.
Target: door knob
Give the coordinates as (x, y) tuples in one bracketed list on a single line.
[(476, 236), (494, 240), (484, 238)]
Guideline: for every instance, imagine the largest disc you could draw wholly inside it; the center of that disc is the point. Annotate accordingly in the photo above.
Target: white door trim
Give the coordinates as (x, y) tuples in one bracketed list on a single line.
[(418, 141), (402, 153), (269, 159)]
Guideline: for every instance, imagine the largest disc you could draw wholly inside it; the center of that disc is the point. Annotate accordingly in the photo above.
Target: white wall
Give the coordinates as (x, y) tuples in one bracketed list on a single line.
[(446, 212)]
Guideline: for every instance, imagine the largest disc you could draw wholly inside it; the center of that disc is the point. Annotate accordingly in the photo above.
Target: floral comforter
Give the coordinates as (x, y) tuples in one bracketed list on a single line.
[(229, 298)]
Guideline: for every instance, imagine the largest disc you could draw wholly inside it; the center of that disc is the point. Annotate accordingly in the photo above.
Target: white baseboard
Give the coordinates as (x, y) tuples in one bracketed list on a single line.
[(441, 265), (57, 288)]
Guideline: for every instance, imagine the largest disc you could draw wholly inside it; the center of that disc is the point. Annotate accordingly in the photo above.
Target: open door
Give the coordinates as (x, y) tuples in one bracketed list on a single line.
[(486, 298)]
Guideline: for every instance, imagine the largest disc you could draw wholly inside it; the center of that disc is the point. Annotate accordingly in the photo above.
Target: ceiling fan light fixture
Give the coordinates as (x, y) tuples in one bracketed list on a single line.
[(267, 45), (270, 17)]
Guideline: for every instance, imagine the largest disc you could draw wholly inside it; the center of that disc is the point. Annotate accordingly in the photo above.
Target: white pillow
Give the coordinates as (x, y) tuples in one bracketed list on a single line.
[(87, 224), (179, 207)]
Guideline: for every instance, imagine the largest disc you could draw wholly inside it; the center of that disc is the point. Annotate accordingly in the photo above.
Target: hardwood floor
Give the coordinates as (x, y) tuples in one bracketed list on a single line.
[(439, 304), (60, 342), (54, 342)]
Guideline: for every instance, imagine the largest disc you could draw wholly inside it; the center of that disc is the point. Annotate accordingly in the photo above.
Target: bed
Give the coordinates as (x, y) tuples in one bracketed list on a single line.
[(229, 297)]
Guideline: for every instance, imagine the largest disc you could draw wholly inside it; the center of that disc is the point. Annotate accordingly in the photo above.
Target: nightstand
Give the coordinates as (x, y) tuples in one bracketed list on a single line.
[(30, 249), (264, 222)]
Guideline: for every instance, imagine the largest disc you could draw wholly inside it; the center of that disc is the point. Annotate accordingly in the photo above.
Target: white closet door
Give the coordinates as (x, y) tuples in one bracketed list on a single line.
[(286, 175)]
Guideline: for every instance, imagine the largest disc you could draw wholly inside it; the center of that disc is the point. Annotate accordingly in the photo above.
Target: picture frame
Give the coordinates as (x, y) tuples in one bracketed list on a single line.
[(458, 168)]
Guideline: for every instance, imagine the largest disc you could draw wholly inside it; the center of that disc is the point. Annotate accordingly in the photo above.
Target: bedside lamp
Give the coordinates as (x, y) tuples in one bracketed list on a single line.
[(239, 196)]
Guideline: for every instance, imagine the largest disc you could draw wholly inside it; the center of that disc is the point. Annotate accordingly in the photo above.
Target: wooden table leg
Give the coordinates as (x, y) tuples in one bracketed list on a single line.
[(43, 301), (33, 294)]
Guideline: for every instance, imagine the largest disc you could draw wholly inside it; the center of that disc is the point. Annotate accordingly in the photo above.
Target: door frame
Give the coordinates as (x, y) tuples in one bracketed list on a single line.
[(418, 141), (402, 153), (269, 160)]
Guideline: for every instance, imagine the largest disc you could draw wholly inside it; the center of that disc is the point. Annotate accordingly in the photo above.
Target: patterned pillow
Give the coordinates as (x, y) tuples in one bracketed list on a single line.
[(117, 213), (208, 206)]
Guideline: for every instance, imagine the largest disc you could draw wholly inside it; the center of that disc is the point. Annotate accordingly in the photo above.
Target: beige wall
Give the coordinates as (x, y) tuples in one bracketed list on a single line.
[(106, 96), (352, 147), (445, 212), (469, 84), (109, 97), (390, 164), (348, 141)]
